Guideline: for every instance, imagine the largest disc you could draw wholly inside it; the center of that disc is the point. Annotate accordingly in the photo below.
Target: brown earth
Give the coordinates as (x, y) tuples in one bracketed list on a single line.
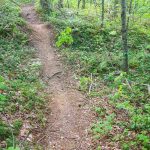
[(70, 118)]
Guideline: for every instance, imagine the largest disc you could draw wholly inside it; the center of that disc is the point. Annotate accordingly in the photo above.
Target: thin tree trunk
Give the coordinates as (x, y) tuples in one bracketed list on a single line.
[(60, 3), (46, 5), (130, 9), (124, 36), (115, 8), (79, 3), (68, 3), (83, 4), (91, 2), (95, 3), (102, 16)]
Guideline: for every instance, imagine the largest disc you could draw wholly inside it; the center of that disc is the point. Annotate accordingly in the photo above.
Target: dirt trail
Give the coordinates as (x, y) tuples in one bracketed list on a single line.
[(70, 116)]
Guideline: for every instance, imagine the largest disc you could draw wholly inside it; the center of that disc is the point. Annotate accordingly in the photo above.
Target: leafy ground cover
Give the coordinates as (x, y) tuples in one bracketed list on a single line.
[(123, 109), (21, 101)]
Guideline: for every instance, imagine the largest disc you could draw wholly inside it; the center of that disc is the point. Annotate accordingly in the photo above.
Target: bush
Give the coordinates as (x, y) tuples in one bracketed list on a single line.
[(10, 20)]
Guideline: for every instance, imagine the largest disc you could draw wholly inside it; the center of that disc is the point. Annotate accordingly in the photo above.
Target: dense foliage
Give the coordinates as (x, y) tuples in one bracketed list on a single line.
[(19, 82)]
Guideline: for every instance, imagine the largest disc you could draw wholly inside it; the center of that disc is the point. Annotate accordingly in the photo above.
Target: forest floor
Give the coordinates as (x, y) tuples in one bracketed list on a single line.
[(68, 123)]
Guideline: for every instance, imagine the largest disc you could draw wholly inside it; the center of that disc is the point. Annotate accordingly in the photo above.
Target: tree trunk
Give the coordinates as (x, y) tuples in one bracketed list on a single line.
[(95, 5), (46, 5), (130, 9), (83, 4), (124, 36), (68, 3), (60, 4), (102, 16), (115, 8), (79, 3)]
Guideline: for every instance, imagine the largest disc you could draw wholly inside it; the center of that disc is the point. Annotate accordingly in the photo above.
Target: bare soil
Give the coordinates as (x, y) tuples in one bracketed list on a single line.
[(71, 116)]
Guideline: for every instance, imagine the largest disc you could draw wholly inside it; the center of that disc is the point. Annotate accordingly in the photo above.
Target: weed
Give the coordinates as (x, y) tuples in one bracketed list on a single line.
[(65, 37)]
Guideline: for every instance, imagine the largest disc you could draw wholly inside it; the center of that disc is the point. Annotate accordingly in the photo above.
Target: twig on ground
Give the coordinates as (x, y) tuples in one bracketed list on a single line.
[(90, 87), (128, 84), (21, 143), (59, 72), (42, 138)]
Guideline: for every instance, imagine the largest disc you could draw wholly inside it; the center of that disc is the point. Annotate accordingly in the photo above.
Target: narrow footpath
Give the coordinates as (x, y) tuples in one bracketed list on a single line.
[(70, 117)]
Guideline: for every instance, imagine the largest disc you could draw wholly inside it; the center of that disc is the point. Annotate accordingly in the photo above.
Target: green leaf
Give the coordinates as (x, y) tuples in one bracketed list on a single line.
[(1, 79), (12, 148), (113, 33), (3, 86), (2, 97)]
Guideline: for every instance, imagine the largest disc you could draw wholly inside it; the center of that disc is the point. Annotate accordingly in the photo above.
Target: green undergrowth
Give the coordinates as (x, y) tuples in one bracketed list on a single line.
[(20, 87), (95, 53)]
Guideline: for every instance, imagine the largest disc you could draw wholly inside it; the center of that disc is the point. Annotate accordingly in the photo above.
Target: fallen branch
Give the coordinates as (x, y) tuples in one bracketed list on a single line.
[(24, 140), (59, 72), (135, 83), (128, 84), (90, 87)]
